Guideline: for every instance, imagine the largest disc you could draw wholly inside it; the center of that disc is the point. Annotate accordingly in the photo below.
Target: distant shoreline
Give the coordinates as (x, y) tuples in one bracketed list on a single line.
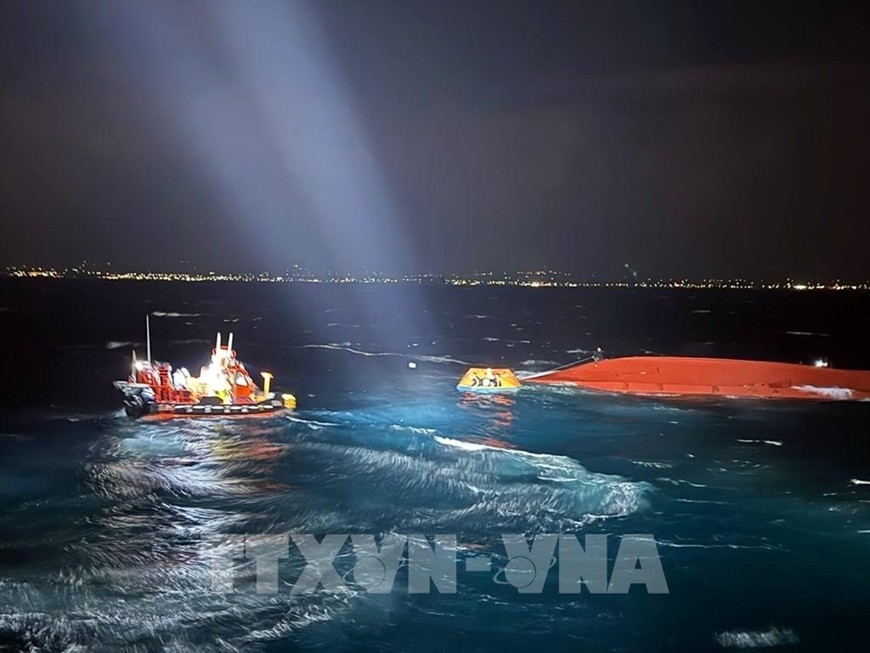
[(177, 277)]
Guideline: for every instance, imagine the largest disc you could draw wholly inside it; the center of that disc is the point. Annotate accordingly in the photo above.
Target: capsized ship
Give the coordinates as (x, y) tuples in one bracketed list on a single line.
[(719, 377), (223, 388)]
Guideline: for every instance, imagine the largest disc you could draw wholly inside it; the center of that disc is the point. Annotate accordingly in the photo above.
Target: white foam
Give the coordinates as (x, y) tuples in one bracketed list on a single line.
[(441, 359), (117, 344), (772, 443), (679, 481), (310, 423), (413, 429), (178, 622), (285, 627), (459, 444), (562, 488), (858, 481), (345, 346), (694, 545), (773, 636), (172, 314), (830, 393), (652, 464)]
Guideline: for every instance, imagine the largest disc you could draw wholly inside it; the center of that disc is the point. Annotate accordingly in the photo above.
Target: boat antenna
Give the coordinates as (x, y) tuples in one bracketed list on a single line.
[(230, 345), (596, 357), (148, 336), (217, 345)]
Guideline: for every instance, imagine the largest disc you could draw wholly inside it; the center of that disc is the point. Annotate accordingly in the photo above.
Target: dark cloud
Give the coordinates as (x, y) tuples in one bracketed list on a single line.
[(710, 139), (720, 171)]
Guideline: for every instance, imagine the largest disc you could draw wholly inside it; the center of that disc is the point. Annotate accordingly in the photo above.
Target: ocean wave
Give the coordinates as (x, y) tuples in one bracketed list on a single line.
[(652, 464), (413, 429), (310, 423), (698, 545), (460, 444), (680, 481), (773, 636), (456, 482), (117, 344), (830, 393), (772, 443), (441, 359), (417, 477), (556, 388), (291, 624), (141, 478), (179, 621), (346, 347)]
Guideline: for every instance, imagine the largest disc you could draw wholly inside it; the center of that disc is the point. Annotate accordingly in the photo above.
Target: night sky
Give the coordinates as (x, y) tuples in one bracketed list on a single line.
[(699, 139)]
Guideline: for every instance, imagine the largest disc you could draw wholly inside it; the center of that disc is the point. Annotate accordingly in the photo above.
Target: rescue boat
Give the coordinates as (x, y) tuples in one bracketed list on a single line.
[(223, 388)]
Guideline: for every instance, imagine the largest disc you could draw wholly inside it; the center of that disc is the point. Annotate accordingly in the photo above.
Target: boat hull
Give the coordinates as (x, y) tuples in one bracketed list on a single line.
[(140, 402), (723, 377), (167, 411)]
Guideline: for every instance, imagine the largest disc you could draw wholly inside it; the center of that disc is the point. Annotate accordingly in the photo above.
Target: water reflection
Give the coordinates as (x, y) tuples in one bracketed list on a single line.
[(498, 413)]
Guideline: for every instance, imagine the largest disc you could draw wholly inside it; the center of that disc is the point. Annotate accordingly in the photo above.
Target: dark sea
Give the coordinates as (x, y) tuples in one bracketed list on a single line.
[(760, 512)]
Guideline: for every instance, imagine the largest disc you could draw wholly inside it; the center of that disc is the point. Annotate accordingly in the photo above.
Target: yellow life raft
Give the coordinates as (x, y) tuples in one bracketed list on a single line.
[(488, 379)]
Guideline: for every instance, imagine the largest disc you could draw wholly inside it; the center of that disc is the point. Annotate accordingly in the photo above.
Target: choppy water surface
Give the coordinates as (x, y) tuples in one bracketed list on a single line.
[(761, 511)]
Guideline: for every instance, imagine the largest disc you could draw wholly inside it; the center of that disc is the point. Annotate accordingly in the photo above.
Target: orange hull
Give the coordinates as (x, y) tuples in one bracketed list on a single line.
[(673, 375)]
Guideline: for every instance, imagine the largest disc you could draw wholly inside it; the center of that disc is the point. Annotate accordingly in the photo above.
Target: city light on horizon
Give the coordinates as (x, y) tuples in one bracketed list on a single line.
[(527, 279)]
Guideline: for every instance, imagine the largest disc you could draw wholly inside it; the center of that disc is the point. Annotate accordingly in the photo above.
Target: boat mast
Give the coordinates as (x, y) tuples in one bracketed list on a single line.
[(232, 376), (148, 336)]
